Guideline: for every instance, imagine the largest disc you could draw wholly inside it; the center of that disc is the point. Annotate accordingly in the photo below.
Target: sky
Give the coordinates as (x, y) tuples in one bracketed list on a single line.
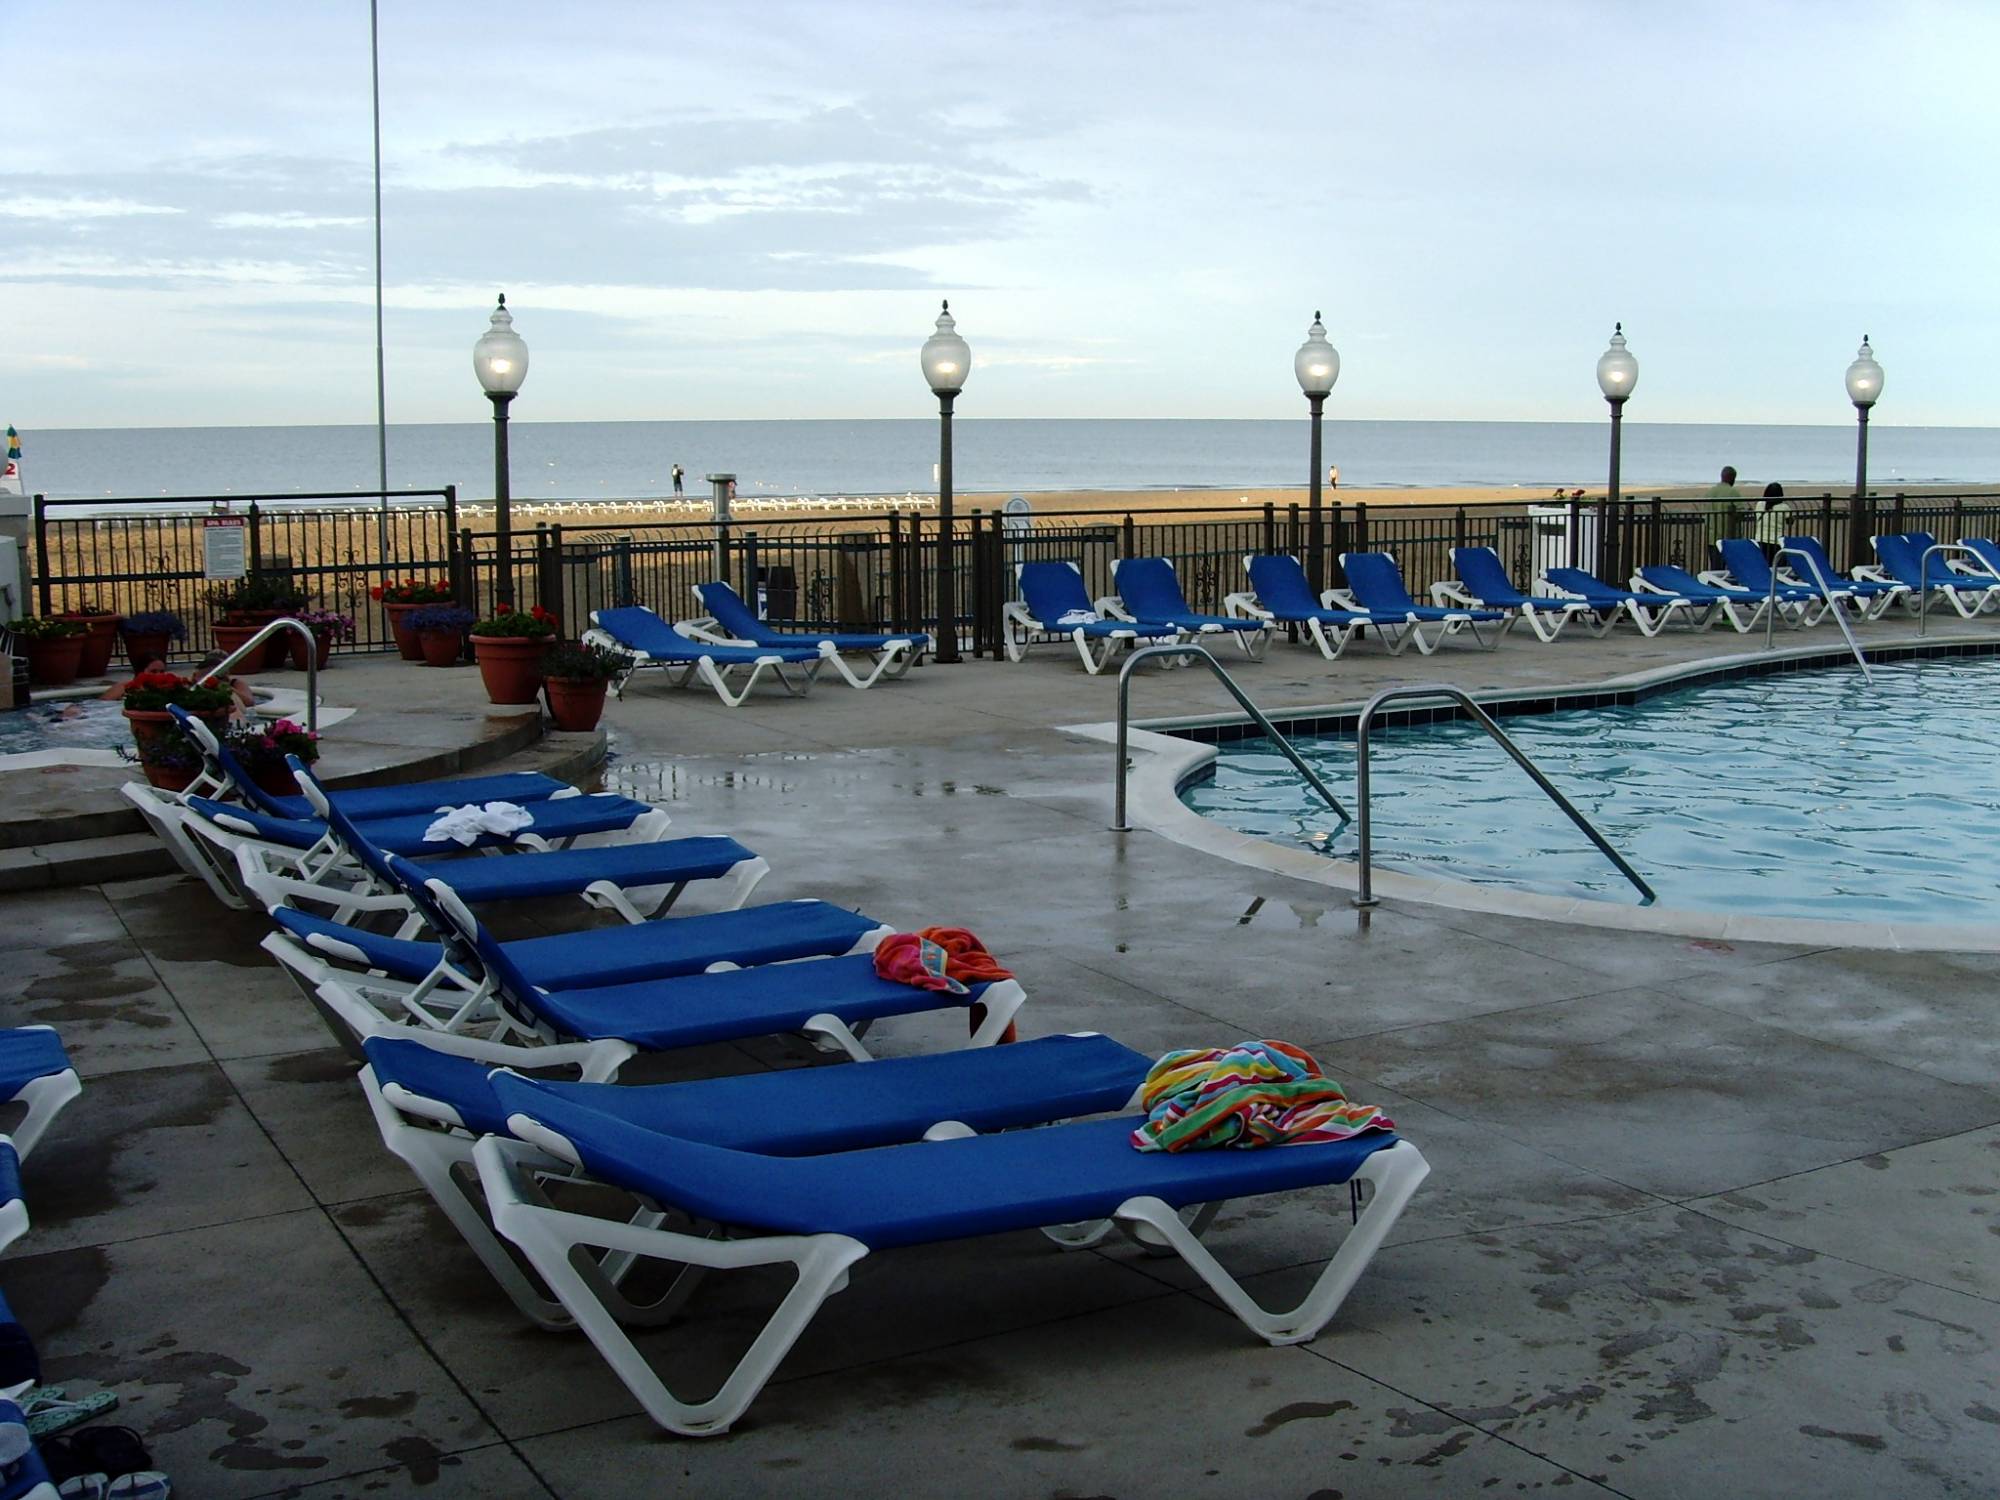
[(726, 210)]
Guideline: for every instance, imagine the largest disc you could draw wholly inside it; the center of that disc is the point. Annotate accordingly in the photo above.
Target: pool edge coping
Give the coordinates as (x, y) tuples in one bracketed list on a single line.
[(1165, 762)]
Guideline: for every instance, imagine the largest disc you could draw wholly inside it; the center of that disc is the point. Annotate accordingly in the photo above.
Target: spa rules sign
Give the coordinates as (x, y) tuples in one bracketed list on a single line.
[(222, 551)]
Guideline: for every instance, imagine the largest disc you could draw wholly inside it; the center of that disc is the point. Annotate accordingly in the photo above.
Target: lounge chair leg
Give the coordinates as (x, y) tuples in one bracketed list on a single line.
[(1395, 1174)]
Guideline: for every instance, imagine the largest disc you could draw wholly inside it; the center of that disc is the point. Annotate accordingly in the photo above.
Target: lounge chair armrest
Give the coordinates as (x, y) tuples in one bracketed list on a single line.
[(1871, 573), (1556, 591), (1016, 611), (1245, 607), (1716, 578), (1452, 593), (704, 628), (1113, 608), (1339, 599)]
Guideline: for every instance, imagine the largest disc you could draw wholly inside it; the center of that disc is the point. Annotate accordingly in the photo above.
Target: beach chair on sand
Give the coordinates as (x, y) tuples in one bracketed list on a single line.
[(1743, 609), (431, 1103), (637, 881), (1874, 596), (1651, 612), (820, 1215), (1482, 583), (652, 643), (730, 621), (1375, 584), (1054, 606), (1149, 593), (1799, 604), (1902, 560), (35, 1074), (1280, 594)]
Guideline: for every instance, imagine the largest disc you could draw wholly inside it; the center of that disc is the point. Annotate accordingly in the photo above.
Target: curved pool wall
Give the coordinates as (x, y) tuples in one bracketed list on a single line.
[(1171, 754)]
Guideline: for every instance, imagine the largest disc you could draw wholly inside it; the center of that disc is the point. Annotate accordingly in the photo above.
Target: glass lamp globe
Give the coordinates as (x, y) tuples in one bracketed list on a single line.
[(1317, 364), (946, 358), (500, 358), (1864, 377), (1617, 370)]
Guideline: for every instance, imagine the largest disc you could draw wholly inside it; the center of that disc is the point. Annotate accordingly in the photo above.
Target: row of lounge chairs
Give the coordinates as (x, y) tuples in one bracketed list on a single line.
[(1482, 603), (36, 1082), (811, 1168)]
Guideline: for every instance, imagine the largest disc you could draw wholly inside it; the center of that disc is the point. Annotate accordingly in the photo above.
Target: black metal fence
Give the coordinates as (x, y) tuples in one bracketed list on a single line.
[(879, 572), (332, 547)]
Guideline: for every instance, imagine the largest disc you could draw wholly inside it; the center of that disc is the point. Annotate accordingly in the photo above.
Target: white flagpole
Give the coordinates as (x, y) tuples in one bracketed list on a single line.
[(381, 379)]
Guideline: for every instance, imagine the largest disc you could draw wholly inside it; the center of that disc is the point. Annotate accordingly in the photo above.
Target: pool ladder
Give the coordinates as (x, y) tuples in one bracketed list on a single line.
[(1365, 896), (256, 642), (1834, 605)]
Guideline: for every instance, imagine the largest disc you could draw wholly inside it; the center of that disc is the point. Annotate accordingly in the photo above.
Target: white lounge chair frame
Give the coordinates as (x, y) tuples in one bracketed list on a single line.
[(709, 672), (1330, 639), (43, 1099), (1651, 619), (1715, 610), (890, 662), (13, 1215), (1981, 599), (1019, 630), (1254, 644), (548, 1237), (1546, 624)]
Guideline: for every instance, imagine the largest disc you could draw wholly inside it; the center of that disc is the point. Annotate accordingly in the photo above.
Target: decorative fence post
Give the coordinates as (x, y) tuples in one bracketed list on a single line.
[(256, 540), (42, 554), (899, 616), (1271, 527)]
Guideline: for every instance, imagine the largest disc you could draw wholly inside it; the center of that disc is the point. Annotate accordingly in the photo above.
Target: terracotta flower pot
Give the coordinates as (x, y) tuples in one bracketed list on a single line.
[(406, 639), (147, 723), (170, 778), (142, 650), (98, 645), (229, 637), (511, 666), (440, 648), (53, 660), (323, 649), (576, 703)]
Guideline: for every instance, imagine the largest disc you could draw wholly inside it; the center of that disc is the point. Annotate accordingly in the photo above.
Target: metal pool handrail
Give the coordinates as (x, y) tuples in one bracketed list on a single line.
[(1819, 578), (1366, 896), (263, 635), (1118, 823), (1924, 576)]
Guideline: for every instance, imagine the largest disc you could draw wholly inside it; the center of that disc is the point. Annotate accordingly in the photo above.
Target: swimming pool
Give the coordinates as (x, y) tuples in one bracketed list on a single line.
[(1807, 794), (77, 731)]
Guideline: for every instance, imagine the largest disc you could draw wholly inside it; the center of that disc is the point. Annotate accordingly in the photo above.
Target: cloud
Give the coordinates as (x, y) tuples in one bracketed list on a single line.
[(79, 208)]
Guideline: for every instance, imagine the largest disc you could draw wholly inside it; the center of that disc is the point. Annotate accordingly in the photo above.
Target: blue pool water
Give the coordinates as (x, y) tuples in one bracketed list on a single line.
[(1808, 794)]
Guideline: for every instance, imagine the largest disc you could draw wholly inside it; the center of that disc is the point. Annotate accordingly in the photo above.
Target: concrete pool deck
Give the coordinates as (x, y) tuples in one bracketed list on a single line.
[(1705, 1217)]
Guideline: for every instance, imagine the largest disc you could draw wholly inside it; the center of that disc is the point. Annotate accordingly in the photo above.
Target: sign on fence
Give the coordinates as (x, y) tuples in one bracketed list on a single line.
[(223, 553)]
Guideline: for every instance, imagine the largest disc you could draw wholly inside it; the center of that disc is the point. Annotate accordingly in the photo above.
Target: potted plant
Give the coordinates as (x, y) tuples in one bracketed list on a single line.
[(398, 599), (509, 647), (327, 627), (261, 750), (53, 647), (440, 632), (101, 639), (574, 679), (148, 696), (148, 635), (254, 601), (169, 760)]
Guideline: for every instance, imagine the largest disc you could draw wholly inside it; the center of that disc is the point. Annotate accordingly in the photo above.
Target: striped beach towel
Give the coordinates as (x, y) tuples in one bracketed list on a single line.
[(1262, 1093)]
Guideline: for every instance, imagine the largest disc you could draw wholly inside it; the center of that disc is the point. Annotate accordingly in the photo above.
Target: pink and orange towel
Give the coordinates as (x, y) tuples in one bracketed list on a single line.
[(946, 959), (1253, 1094)]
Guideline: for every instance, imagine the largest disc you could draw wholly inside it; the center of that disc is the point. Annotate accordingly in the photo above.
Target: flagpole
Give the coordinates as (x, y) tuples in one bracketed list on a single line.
[(381, 378)]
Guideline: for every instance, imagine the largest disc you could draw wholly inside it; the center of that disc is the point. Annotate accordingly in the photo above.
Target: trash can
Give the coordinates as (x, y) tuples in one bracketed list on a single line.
[(778, 593), (1550, 545)]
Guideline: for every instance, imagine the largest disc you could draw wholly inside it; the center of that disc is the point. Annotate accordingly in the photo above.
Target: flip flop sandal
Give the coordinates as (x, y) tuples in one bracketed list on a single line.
[(144, 1484), (56, 1415), (84, 1487)]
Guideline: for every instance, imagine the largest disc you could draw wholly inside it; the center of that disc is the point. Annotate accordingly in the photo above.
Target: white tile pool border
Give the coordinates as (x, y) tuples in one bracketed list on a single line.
[(1163, 763)]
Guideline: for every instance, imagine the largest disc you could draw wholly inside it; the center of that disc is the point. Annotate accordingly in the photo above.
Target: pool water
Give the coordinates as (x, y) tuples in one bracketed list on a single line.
[(1807, 794), (72, 724)]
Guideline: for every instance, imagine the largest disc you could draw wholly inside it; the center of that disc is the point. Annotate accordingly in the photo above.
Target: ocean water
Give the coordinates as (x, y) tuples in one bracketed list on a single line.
[(632, 460)]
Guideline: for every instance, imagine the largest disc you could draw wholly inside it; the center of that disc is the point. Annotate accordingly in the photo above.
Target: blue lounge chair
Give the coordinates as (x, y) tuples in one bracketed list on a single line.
[(1799, 604), (732, 622), (651, 642), (1054, 606), (1986, 552), (1902, 560), (223, 775), (1149, 593), (35, 1073), (1651, 612), (13, 1207), (1743, 609), (1375, 584), (822, 1214), (1280, 594), (637, 881), (431, 1104), (1482, 583), (25, 1477), (1873, 595)]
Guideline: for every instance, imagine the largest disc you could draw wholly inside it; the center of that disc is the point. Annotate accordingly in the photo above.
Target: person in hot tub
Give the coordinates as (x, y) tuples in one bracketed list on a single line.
[(237, 685)]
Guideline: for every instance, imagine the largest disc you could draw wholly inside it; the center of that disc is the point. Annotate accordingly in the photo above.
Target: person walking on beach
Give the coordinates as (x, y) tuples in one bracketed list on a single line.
[(678, 472), (1721, 512), (1771, 521)]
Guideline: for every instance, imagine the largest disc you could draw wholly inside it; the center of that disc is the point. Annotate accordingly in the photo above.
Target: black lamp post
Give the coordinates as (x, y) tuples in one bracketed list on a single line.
[(1317, 365), (1617, 374), (946, 361), (1864, 389), (500, 359)]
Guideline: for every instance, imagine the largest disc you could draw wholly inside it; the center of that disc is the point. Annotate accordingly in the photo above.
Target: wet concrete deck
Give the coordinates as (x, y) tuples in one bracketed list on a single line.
[(1703, 1219)]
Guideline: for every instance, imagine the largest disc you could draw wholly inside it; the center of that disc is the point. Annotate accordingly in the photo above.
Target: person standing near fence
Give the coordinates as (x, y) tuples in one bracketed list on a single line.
[(679, 473), (1771, 524), (1722, 500)]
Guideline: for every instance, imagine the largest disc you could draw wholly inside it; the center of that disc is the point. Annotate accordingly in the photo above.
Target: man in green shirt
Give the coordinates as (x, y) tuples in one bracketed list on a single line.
[(1721, 511)]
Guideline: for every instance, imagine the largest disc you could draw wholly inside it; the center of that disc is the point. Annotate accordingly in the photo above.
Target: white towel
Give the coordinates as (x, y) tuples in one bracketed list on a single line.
[(469, 823), (1075, 617)]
